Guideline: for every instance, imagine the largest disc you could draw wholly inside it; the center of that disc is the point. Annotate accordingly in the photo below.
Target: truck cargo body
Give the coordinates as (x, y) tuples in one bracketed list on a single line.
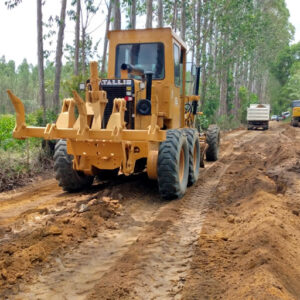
[(258, 116)]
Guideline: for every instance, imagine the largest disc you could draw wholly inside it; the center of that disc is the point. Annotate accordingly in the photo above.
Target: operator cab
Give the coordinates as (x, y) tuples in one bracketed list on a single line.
[(136, 55)]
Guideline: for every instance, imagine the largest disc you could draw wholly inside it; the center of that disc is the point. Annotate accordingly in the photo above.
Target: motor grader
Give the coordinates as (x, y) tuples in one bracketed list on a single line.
[(138, 118)]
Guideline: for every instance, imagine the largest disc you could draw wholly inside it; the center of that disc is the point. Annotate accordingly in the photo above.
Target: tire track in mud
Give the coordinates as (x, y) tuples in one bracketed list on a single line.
[(73, 275), (167, 260), (11, 205), (154, 267), (158, 266)]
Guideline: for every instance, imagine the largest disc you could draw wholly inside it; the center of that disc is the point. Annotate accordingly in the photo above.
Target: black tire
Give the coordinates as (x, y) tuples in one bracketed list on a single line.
[(173, 165), (213, 141), (69, 179), (194, 154), (295, 123)]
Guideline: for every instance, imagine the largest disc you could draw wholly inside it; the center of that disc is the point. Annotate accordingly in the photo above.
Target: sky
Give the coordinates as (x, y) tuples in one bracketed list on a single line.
[(18, 28)]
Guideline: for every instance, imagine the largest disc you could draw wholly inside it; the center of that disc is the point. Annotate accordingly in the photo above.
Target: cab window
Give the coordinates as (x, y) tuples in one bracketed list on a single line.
[(148, 56), (176, 53)]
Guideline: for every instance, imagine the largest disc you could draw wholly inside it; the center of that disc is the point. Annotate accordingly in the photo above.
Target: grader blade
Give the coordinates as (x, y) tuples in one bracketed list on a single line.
[(67, 128)]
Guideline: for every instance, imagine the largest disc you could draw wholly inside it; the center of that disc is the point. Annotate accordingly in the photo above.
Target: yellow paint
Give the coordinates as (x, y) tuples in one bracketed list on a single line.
[(117, 146), (296, 112)]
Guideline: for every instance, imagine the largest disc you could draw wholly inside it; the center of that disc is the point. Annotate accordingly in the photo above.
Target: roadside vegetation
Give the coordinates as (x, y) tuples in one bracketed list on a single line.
[(21, 159)]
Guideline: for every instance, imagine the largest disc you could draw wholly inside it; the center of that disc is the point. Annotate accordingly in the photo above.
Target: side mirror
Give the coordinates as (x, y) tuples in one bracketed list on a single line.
[(81, 86), (194, 70)]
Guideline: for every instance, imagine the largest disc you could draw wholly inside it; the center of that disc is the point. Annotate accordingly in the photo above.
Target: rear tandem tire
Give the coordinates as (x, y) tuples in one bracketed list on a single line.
[(69, 179), (173, 165), (194, 154), (213, 141), (295, 123)]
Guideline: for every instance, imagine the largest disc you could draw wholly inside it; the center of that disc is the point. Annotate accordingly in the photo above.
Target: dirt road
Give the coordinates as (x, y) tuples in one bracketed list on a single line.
[(235, 234)]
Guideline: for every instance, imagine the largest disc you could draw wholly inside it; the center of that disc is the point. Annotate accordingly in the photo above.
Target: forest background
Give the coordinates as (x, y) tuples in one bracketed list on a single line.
[(244, 49)]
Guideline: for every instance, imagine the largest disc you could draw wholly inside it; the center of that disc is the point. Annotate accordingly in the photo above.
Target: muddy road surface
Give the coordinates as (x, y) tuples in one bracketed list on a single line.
[(234, 235)]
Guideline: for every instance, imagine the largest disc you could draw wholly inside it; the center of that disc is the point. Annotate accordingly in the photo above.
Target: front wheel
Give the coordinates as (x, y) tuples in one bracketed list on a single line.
[(173, 165), (68, 178)]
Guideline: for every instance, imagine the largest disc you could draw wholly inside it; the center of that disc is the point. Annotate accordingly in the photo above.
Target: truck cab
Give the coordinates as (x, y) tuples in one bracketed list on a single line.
[(295, 113)]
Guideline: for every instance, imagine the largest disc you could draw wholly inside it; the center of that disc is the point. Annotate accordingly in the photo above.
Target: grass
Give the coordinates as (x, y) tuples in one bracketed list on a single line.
[(17, 166)]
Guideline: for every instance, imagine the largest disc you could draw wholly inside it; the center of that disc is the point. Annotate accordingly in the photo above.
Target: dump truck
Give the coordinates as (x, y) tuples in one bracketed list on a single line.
[(137, 119), (258, 116), (295, 113)]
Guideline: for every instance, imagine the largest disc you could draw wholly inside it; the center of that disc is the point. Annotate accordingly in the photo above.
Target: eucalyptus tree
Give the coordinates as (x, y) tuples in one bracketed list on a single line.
[(41, 57), (116, 15), (160, 14), (149, 12), (77, 37), (132, 24), (59, 53), (89, 8), (108, 20)]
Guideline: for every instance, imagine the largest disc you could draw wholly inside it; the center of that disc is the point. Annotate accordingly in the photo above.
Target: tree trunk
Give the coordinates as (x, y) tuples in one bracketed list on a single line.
[(117, 15), (103, 64), (210, 46), (223, 93), (198, 32), (160, 15), (174, 20), (77, 38), (194, 28), (223, 79), (59, 52), (183, 20), (149, 13), (236, 84), (204, 57), (133, 14), (83, 54), (41, 57)]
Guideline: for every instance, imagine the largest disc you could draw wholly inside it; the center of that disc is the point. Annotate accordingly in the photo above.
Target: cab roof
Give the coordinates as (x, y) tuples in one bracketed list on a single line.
[(145, 36)]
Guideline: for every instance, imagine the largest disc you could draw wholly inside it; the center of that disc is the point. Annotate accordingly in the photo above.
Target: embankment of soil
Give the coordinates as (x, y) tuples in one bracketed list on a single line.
[(249, 245)]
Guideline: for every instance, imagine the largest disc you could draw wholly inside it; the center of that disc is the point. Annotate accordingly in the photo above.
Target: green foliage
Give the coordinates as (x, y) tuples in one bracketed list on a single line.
[(36, 118), (228, 122), (72, 84), (7, 124), (201, 122), (10, 4), (284, 66), (286, 70), (212, 100), (246, 98)]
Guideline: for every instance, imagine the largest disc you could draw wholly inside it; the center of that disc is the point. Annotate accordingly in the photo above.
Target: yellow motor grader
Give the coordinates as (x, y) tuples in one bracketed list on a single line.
[(295, 113), (139, 118)]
